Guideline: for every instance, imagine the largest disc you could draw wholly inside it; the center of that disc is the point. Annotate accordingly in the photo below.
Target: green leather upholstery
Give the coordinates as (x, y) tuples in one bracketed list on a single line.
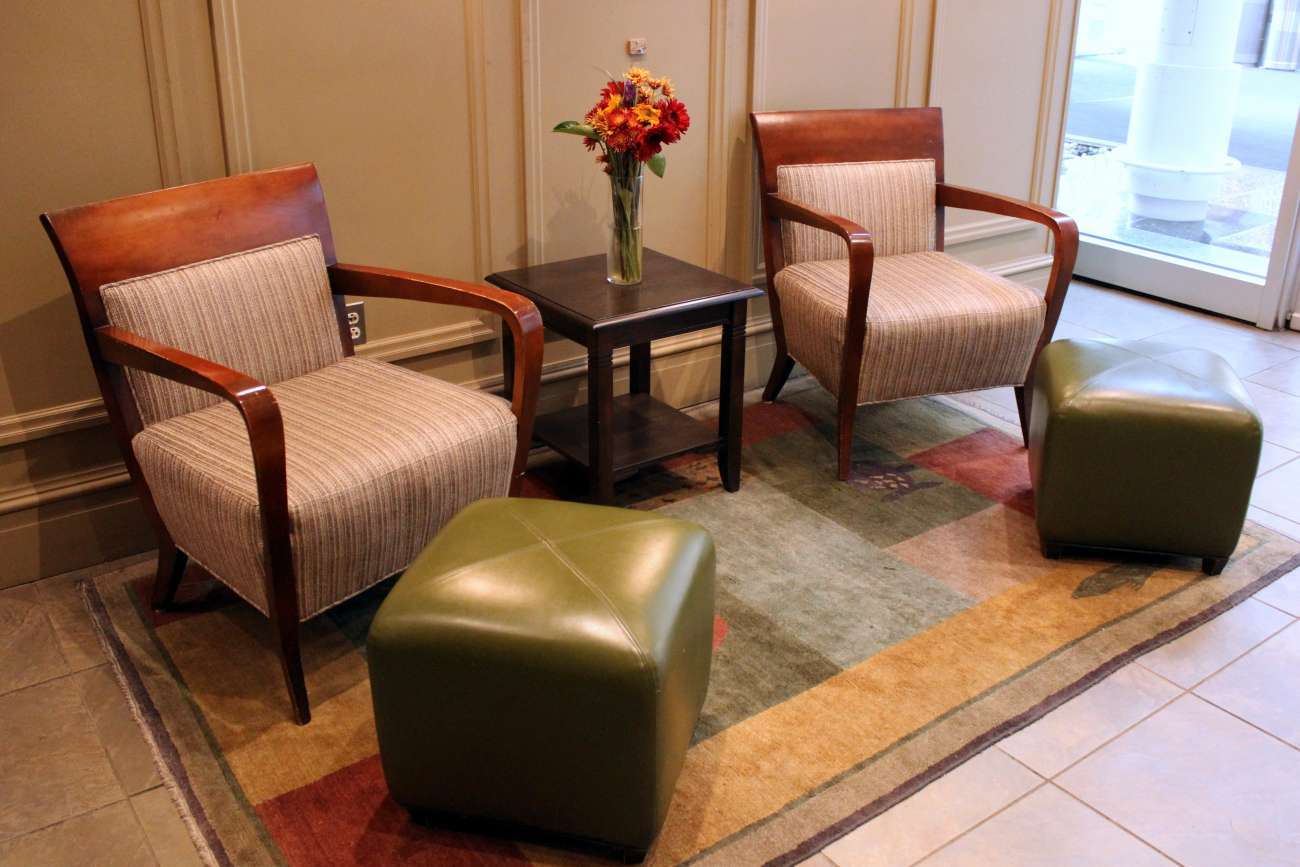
[(1141, 446), (544, 664)]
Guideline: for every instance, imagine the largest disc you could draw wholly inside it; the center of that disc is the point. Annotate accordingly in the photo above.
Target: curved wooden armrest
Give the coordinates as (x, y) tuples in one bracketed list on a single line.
[(787, 209), (127, 349), (862, 257), (1065, 236), (519, 314), (1061, 225), (253, 399)]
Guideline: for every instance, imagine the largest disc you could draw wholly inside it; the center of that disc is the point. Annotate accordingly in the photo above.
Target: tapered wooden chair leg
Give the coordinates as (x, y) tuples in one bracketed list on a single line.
[(286, 628), (780, 373), (171, 568), (1022, 407), (844, 440)]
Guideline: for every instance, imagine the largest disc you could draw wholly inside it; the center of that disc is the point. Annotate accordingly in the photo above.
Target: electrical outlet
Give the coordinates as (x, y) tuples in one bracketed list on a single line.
[(636, 46), (356, 319)]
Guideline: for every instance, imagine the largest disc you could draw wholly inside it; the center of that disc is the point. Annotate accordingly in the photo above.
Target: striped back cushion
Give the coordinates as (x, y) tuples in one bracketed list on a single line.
[(266, 312), (893, 200)]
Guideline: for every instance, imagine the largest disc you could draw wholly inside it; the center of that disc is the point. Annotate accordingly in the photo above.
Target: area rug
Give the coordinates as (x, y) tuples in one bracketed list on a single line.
[(871, 636)]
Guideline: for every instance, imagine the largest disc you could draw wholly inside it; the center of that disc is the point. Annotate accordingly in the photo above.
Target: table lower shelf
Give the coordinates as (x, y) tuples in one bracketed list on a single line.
[(646, 430)]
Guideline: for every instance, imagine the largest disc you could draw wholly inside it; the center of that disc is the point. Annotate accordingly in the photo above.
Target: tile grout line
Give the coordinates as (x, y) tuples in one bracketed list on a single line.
[(1119, 734), (998, 746), (1235, 658), (1274, 607), (1144, 841), (1192, 691), (1270, 471), (1286, 535), (1041, 782), (125, 799), (40, 606), (139, 820), (1235, 716)]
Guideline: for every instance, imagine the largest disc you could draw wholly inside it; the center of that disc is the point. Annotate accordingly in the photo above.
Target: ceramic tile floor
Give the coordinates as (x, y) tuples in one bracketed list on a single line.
[(1189, 755)]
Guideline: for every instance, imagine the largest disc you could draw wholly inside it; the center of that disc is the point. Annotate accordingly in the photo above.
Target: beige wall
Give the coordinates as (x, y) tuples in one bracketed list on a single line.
[(429, 122)]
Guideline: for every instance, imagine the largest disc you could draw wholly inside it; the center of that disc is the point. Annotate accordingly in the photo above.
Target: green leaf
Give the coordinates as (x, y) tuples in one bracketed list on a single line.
[(573, 127), (658, 163)]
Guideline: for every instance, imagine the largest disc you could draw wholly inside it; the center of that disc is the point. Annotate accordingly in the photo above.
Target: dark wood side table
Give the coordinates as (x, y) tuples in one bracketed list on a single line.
[(612, 436)]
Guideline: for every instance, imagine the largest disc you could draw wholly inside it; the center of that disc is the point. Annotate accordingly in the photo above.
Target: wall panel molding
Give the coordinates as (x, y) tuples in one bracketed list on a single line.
[(530, 43), (90, 413), (160, 91), (477, 127), (230, 84), (51, 421), (429, 341), (758, 53), (63, 487), (982, 229), (715, 196), (82, 482), (915, 44), (181, 67), (81, 414)]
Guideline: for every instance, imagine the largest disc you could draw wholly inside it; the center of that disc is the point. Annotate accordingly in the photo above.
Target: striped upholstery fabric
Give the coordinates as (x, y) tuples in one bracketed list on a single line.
[(266, 312), (934, 325), (378, 459), (893, 200)]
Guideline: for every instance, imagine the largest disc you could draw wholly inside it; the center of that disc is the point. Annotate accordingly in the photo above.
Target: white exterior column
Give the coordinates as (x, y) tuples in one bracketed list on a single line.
[(1186, 97)]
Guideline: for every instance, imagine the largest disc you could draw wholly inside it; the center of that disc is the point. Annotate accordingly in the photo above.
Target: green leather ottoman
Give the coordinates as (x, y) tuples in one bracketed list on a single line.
[(543, 664), (1141, 447)]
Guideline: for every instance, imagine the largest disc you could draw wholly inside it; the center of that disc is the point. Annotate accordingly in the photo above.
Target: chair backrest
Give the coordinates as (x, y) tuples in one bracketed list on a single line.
[(877, 167), (233, 270)]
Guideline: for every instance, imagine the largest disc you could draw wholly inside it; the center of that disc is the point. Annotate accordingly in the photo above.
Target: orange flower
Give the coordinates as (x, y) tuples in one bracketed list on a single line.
[(646, 114)]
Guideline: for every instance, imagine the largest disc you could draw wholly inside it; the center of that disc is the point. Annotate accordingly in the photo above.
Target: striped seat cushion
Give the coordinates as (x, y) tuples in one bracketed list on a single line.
[(934, 325), (894, 200), (266, 312), (378, 458)]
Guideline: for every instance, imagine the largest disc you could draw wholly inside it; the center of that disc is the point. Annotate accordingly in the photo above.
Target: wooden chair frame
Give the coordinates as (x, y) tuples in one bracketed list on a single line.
[(143, 234), (865, 135)]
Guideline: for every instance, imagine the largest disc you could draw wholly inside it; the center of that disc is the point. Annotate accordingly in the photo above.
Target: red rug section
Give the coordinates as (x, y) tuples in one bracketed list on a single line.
[(988, 462), (766, 420), (347, 817)]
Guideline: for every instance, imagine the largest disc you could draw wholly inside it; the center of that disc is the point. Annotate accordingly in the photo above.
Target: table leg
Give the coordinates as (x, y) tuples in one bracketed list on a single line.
[(508, 361), (639, 368), (600, 421), (731, 395)]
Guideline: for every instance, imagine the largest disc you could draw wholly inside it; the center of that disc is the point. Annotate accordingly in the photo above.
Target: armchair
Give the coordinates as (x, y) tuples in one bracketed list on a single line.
[(296, 473), (862, 294)]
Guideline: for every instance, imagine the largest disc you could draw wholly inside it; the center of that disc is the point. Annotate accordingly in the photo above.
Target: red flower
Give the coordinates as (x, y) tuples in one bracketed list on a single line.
[(652, 141), (674, 120)]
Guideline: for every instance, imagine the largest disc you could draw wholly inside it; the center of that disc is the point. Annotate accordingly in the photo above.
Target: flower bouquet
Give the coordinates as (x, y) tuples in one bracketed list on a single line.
[(636, 116)]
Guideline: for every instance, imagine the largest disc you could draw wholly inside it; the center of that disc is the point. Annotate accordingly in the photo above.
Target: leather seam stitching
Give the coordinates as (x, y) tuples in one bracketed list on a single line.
[(642, 656), (438, 579), (1137, 358)]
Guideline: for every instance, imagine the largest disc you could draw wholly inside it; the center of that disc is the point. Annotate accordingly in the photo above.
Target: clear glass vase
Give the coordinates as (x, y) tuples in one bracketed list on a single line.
[(623, 261)]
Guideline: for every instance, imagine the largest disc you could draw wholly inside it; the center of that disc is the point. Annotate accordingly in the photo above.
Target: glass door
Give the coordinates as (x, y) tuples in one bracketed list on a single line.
[(1180, 137)]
